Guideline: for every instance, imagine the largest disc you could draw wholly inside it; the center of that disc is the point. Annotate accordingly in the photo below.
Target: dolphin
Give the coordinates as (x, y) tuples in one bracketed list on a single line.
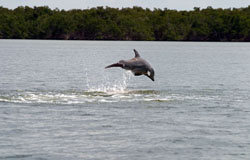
[(137, 65)]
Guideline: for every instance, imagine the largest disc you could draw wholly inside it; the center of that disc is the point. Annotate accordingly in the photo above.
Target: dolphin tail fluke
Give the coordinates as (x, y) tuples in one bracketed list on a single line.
[(115, 65)]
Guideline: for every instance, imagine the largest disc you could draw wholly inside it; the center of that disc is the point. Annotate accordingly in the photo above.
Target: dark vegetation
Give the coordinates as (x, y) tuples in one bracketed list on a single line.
[(126, 24)]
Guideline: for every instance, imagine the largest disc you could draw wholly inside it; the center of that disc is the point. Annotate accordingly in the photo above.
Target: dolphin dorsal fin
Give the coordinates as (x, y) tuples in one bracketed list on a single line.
[(136, 54)]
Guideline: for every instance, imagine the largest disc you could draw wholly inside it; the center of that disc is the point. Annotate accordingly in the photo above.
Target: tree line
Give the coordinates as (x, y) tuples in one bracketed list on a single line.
[(104, 23)]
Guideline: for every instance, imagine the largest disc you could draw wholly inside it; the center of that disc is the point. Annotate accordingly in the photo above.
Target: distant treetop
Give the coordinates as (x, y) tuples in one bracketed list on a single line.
[(105, 23)]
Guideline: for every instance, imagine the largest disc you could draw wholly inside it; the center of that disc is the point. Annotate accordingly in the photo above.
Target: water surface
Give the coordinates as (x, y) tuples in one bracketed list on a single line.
[(58, 102)]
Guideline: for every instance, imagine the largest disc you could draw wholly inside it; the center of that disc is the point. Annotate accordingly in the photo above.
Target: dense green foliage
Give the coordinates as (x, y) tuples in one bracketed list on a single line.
[(126, 24)]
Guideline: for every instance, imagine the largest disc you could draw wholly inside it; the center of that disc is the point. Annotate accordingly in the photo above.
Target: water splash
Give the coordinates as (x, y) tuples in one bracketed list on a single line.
[(119, 86)]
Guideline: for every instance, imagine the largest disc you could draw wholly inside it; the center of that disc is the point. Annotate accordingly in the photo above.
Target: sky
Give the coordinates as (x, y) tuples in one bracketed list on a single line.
[(85, 4)]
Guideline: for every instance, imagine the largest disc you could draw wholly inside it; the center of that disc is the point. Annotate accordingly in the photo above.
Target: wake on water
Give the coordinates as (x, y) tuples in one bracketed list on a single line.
[(103, 92)]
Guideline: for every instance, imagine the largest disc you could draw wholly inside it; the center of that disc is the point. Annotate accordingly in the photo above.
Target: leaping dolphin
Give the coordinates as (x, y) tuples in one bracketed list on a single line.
[(137, 65)]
